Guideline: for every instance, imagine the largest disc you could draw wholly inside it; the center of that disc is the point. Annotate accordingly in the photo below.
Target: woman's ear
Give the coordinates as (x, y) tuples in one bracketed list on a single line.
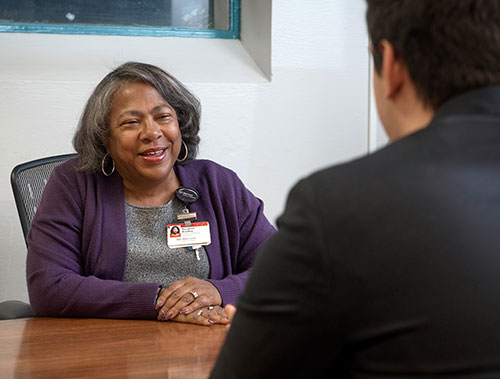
[(393, 71), (105, 145)]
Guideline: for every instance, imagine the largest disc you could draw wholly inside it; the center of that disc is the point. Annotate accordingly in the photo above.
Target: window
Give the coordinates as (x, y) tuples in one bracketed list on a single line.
[(185, 18)]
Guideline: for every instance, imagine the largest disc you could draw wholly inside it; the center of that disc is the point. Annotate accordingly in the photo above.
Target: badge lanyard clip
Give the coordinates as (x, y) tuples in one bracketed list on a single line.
[(186, 217), (187, 195)]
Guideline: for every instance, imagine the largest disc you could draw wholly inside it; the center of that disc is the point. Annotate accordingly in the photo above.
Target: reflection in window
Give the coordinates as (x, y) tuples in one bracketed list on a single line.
[(139, 15)]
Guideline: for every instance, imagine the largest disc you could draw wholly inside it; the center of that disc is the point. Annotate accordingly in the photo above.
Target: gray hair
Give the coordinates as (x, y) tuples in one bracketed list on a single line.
[(92, 134)]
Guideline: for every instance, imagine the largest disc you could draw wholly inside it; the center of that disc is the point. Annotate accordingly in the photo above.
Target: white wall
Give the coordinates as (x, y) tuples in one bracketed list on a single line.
[(313, 113)]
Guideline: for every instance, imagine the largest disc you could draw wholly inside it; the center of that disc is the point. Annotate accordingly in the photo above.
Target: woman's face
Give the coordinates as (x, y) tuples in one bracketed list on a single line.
[(145, 138)]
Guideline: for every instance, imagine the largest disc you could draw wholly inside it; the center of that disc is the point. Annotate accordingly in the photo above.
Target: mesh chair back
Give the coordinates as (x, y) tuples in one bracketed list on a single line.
[(28, 182)]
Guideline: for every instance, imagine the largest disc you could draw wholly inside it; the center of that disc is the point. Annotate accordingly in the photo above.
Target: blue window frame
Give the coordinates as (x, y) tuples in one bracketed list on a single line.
[(160, 18)]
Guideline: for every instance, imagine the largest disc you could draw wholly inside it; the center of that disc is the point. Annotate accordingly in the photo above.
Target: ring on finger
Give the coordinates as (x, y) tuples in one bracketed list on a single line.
[(210, 307), (194, 293), (200, 312)]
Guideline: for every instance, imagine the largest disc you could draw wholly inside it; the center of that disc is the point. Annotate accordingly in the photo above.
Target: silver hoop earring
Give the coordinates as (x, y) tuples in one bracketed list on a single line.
[(103, 164), (185, 155)]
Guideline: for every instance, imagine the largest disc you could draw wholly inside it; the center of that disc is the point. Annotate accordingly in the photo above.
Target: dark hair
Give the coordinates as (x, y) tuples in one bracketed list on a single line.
[(449, 46), (93, 131)]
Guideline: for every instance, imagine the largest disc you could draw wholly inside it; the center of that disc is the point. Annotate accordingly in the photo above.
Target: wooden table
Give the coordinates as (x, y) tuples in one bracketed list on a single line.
[(100, 348)]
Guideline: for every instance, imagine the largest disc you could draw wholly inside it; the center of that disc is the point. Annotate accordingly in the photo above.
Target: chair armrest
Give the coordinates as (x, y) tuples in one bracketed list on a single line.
[(14, 309)]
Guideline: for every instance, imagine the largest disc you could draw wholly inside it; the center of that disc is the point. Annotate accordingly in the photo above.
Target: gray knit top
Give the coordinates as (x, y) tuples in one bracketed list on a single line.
[(149, 259)]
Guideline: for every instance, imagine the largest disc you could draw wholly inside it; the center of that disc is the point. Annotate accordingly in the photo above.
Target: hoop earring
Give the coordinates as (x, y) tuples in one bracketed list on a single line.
[(185, 155), (103, 163)]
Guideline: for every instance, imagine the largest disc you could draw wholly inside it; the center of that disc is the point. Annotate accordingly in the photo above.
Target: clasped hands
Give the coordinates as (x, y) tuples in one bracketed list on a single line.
[(194, 301)]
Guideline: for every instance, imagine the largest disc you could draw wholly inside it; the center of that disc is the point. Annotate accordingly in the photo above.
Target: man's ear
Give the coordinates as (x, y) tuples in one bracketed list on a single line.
[(393, 71)]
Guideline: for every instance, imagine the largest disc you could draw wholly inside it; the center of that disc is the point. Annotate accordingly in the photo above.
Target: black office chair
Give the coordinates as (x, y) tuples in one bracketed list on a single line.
[(28, 181)]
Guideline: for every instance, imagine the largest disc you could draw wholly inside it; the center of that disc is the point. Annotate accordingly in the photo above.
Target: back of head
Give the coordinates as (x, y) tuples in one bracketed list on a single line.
[(449, 46)]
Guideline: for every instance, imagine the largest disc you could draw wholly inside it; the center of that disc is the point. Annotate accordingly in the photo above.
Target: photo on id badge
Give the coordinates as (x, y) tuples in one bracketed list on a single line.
[(175, 231)]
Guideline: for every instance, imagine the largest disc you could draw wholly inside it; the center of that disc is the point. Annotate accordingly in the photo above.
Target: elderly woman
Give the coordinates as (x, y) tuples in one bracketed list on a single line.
[(99, 245)]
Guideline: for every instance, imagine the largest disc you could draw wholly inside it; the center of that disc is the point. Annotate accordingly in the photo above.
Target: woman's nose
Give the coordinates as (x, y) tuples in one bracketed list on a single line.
[(151, 130)]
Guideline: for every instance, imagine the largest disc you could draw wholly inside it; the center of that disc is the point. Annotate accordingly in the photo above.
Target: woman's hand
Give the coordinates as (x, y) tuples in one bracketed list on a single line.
[(230, 310), (186, 296), (205, 316)]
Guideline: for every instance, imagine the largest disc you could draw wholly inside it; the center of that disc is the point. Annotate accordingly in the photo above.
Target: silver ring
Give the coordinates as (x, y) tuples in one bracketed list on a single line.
[(200, 312), (194, 293), (210, 307)]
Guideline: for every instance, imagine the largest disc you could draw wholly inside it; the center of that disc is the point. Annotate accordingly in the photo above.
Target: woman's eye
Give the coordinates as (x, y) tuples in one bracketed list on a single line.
[(165, 117), (130, 122)]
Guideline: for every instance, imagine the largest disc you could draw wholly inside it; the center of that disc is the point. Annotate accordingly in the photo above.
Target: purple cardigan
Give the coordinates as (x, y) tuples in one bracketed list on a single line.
[(77, 244)]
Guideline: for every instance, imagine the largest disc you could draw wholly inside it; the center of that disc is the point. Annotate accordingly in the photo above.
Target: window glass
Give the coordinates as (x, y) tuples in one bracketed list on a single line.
[(129, 17)]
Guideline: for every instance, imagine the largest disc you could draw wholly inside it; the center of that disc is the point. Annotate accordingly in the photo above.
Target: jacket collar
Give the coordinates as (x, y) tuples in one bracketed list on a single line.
[(484, 101)]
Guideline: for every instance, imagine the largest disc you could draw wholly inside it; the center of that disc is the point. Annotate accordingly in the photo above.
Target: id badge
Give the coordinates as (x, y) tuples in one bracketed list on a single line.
[(182, 235)]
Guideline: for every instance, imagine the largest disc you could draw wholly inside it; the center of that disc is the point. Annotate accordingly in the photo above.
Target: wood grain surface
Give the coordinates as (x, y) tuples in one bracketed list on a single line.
[(102, 348)]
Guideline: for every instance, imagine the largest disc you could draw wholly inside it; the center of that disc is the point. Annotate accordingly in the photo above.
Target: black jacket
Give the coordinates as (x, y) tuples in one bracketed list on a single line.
[(387, 266)]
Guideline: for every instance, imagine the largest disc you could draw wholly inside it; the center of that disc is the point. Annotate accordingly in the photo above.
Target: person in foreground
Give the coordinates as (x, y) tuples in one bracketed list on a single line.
[(389, 266), (100, 246)]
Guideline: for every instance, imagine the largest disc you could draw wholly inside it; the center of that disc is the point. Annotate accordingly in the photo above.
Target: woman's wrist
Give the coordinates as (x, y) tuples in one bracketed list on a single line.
[(160, 287)]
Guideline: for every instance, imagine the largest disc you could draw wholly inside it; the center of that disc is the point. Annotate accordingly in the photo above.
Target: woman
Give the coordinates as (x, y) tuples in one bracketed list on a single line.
[(99, 243)]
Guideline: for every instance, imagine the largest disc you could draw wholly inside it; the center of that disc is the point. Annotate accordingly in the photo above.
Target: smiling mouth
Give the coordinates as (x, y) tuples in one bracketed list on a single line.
[(153, 153)]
